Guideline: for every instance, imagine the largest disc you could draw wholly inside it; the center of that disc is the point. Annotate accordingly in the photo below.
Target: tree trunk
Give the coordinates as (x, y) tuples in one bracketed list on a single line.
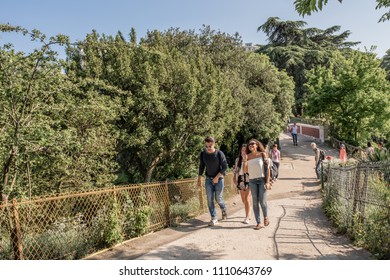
[(152, 167), (6, 171)]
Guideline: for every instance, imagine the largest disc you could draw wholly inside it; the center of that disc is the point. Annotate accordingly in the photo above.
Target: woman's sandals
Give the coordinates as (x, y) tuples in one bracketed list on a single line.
[(258, 226)]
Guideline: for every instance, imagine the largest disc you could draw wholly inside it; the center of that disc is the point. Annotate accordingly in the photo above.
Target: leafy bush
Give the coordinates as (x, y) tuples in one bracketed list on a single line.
[(180, 212), (369, 229), (374, 231), (67, 238), (335, 213), (106, 226), (136, 218)]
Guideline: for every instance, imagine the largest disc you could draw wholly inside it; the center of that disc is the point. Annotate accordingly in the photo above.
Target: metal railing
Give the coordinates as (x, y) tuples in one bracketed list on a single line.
[(73, 225)]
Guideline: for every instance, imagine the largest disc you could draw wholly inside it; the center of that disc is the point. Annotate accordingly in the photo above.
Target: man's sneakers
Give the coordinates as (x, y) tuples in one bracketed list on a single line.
[(213, 222)]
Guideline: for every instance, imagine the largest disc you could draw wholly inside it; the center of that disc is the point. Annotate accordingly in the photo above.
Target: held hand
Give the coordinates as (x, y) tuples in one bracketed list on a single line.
[(215, 180), (199, 183)]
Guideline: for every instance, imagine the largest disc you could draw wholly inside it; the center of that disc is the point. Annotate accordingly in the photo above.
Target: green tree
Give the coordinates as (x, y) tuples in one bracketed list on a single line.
[(267, 107), (353, 94), (297, 49), (51, 137), (178, 96), (306, 7), (263, 95), (385, 63), (26, 86)]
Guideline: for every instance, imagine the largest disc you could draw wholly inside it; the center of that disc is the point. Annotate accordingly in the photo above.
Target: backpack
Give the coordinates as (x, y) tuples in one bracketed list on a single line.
[(322, 154), (273, 171)]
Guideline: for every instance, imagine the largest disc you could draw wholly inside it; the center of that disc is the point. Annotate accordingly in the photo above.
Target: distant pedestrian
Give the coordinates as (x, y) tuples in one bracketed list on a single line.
[(294, 134), (343, 154), (255, 163), (381, 148), (275, 156), (369, 150), (319, 157), (241, 180), (214, 161)]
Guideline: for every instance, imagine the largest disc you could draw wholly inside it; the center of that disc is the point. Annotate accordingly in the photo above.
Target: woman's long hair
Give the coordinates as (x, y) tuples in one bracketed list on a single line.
[(240, 156), (260, 147)]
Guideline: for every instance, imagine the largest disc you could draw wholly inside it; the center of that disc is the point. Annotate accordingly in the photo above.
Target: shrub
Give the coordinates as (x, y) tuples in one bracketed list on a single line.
[(136, 217), (180, 212), (106, 226), (67, 238)]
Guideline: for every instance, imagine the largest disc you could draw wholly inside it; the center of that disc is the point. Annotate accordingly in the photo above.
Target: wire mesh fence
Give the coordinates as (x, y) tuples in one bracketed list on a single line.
[(358, 200), (73, 225)]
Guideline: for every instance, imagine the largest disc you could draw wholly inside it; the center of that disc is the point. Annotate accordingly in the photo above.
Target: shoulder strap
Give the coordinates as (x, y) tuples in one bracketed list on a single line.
[(219, 157)]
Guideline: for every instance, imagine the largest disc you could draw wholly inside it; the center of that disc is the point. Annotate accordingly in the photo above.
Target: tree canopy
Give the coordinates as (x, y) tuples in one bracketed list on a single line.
[(118, 111), (52, 134), (296, 49), (353, 94), (306, 7)]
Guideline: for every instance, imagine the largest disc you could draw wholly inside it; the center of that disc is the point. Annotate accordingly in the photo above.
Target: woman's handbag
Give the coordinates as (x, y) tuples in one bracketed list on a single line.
[(243, 182), (267, 172)]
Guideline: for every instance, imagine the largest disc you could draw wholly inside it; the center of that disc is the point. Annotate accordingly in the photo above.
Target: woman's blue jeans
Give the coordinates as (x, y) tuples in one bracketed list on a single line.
[(214, 191), (259, 197)]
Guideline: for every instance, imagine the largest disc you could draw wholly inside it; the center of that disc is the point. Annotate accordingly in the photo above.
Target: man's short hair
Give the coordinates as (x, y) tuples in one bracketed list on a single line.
[(209, 139)]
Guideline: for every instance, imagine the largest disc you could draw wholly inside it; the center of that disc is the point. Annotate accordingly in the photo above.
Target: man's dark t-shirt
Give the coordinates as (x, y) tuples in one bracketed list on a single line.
[(214, 163)]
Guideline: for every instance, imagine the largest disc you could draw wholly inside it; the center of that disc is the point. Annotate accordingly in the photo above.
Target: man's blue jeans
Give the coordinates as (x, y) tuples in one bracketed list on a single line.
[(214, 191), (295, 138), (259, 197), (318, 169)]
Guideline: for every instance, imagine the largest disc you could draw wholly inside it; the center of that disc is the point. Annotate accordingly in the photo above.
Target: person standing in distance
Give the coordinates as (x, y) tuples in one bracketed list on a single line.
[(343, 154), (214, 161), (294, 134)]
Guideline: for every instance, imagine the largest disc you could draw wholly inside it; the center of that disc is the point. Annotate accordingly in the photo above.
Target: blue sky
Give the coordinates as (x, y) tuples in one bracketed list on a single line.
[(78, 18)]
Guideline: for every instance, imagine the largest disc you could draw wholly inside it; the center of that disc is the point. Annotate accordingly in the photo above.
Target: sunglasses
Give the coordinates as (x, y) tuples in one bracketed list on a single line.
[(208, 147), (252, 144)]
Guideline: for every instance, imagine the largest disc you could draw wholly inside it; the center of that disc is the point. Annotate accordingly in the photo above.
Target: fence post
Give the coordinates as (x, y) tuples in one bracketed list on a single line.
[(200, 192), (167, 208), (357, 194), (16, 234), (364, 193), (116, 205), (322, 176)]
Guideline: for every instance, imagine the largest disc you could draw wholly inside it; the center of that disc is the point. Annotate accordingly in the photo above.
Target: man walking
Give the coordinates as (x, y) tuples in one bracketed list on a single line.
[(318, 157), (214, 161), (294, 134)]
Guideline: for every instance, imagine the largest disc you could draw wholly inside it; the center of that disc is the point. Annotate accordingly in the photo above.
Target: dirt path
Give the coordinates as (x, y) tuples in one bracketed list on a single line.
[(298, 228)]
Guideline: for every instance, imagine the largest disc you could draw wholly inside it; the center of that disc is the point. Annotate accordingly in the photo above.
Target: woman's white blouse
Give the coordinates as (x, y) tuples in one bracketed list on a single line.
[(256, 168)]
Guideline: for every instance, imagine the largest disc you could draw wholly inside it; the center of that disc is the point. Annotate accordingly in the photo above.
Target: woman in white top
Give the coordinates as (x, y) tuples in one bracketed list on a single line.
[(242, 183), (258, 179)]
